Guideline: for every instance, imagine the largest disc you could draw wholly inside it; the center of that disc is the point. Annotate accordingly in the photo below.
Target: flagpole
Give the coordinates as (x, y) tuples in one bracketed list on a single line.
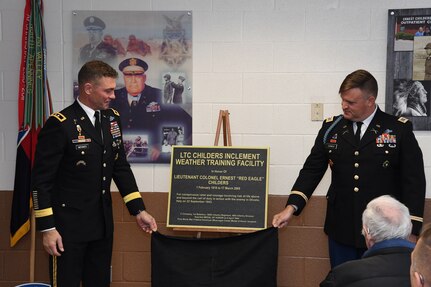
[(32, 245)]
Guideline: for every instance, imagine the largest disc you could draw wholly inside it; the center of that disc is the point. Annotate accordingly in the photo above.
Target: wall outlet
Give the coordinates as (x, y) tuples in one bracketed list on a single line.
[(317, 112)]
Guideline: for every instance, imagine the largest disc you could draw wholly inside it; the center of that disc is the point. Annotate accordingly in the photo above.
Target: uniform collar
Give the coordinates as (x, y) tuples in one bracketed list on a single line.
[(89, 111), (133, 98), (368, 120)]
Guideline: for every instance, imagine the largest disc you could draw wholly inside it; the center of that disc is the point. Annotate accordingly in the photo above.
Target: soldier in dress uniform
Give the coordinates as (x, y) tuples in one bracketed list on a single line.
[(79, 151), (96, 49), (385, 158), (168, 90), (178, 90)]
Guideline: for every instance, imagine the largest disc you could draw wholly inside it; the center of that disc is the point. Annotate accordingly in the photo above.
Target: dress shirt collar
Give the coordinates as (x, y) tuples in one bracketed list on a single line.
[(366, 122), (89, 111), (133, 98)]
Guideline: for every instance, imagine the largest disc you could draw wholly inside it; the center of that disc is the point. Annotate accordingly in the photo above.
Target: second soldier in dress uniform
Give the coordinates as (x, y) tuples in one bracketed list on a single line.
[(79, 152), (384, 159)]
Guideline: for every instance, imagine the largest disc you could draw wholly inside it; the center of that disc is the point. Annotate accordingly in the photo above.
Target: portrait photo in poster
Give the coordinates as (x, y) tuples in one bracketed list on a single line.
[(411, 98), (152, 52), (422, 58)]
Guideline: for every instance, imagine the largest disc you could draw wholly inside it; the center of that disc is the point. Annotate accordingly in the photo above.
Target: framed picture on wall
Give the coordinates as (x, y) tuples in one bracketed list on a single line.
[(408, 67), (152, 52)]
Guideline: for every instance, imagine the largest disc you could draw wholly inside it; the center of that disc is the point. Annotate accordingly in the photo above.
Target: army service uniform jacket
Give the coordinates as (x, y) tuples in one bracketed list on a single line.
[(72, 175), (388, 160)]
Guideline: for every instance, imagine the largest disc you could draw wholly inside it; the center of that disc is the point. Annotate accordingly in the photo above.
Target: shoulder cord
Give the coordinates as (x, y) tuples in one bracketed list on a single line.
[(331, 128)]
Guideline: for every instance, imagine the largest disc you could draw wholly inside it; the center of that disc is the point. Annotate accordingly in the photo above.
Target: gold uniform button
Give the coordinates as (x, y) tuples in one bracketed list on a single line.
[(82, 152), (104, 164), (356, 189), (356, 152), (356, 164), (386, 151), (356, 177)]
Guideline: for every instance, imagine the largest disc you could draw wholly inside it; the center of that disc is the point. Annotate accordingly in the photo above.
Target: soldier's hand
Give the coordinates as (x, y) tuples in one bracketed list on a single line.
[(281, 219), (146, 222), (52, 242)]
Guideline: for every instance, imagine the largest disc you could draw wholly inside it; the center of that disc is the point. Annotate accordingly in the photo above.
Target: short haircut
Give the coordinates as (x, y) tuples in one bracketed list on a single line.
[(360, 79), (94, 70), (387, 218), (422, 254)]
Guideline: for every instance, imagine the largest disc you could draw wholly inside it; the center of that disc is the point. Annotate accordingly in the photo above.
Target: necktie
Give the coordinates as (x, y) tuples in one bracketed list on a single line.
[(358, 132), (134, 104), (97, 123)]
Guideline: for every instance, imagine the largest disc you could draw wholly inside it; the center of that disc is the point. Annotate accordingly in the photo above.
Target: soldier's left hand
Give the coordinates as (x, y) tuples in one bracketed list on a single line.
[(146, 222)]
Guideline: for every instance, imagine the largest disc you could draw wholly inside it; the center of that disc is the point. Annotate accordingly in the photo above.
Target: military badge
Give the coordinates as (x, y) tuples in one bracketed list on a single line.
[(81, 140), (334, 139), (386, 138), (174, 49), (81, 162), (78, 128), (115, 130), (153, 107)]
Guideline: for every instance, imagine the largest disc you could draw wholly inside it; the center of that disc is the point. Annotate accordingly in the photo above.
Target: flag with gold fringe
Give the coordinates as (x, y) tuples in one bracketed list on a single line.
[(34, 107), (248, 260)]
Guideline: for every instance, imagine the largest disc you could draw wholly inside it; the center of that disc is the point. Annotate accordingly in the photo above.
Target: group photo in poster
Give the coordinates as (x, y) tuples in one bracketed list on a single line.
[(152, 52), (409, 27)]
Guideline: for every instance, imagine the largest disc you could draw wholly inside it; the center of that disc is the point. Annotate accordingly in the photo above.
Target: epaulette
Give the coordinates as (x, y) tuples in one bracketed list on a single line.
[(330, 119), (115, 112), (403, 120), (59, 116)]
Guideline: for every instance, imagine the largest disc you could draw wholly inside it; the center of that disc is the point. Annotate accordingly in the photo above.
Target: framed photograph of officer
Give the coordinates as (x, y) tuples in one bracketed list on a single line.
[(152, 53)]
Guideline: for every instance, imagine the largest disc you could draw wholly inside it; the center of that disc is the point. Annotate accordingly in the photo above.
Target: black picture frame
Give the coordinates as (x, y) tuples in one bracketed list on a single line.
[(401, 58)]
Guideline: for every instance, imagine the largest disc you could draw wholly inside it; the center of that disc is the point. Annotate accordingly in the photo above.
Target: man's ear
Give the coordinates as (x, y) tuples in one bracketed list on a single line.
[(88, 88), (372, 100), (418, 279)]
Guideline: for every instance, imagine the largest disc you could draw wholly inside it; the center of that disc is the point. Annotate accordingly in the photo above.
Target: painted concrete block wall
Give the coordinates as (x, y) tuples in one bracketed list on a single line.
[(265, 61)]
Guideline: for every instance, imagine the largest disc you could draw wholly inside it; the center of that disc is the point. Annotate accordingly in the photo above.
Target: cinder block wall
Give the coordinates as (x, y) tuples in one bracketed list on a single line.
[(302, 262)]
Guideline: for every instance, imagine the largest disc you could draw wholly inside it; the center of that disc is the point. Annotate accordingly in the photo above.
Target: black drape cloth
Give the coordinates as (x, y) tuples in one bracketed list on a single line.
[(241, 261)]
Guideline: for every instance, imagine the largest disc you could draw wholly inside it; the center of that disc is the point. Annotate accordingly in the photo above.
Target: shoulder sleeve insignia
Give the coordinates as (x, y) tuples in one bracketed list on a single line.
[(59, 116), (403, 120), (330, 119), (115, 112)]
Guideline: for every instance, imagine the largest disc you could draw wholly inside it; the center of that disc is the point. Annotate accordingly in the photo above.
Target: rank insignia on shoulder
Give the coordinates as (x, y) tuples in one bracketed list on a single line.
[(59, 116), (330, 119), (403, 120), (115, 112)]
